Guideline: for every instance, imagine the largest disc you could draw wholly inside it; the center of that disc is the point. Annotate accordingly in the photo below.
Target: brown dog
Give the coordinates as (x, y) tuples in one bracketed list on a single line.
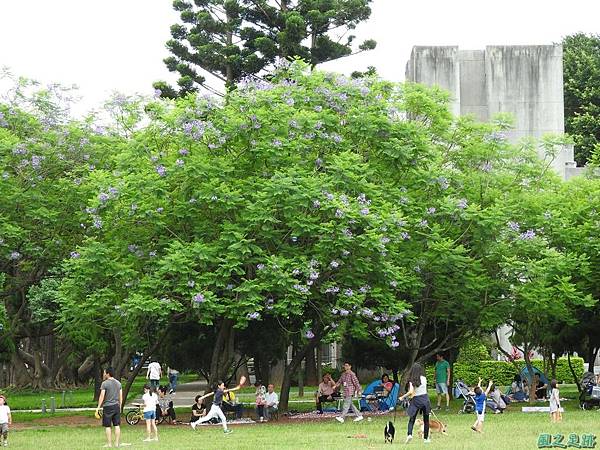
[(435, 426)]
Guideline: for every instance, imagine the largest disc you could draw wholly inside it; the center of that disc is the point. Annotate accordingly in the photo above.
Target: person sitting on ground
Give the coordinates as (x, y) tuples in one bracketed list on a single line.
[(540, 387), (230, 403), (495, 401), (326, 392), (271, 402), (198, 409), (260, 400), (165, 405)]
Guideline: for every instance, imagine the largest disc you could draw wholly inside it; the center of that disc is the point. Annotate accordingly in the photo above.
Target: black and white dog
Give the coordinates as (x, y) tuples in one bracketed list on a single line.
[(389, 432)]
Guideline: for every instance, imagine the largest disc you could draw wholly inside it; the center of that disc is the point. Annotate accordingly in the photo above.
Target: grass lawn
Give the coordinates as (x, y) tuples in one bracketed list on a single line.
[(512, 430)]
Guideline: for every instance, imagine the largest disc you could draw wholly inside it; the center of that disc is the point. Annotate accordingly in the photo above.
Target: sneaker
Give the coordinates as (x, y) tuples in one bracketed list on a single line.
[(497, 411), (340, 419), (359, 418), (427, 441), (262, 419), (227, 431), (193, 425), (148, 440), (171, 391), (474, 429), (408, 439)]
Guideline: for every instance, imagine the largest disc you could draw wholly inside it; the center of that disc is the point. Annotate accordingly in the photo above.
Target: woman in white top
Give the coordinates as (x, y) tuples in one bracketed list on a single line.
[(419, 401), (555, 413), (150, 400)]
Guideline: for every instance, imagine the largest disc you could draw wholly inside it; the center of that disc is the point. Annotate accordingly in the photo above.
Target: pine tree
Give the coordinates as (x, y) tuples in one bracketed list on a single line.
[(232, 39)]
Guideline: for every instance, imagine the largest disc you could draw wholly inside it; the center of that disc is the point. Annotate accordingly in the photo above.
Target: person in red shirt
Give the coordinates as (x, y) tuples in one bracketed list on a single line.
[(351, 387)]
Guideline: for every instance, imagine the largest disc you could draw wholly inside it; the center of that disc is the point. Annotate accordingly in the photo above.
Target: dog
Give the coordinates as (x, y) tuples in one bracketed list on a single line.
[(435, 426), (389, 432)]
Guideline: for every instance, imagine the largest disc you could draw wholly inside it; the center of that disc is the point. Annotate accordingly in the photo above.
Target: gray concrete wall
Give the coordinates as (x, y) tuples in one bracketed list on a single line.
[(525, 81), (436, 66)]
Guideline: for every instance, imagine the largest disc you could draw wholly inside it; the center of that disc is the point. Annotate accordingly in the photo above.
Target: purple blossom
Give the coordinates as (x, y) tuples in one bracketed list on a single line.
[(328, 195), (296, 272), (19, 150), (347, 232), (382, 333), (394, 284), (395, 344), (309, 136), (318, 162), (405, 235), (302, 289), (313, 263), (157, 93), (332, 290), (339, 213), (333, 326), (423, 223), (97, 222), (348, 292), (364, 90), (191, 283), (345, 252), (36, 161), (260, 266), (528, 235), (113, 191), (316, 204), (513, 226), (485, 166), (385, 240), (253, 316), (336, 138), (289, 101), (294, 123), (90, 210), (75, 255), (269, 304), (152, 254), (318, 125), (334, 264), (318, 108), (199, 298), (309, 334), (229, 287), (184, 152), (367, 312), (314, 275), (364, 211), (277, 143), (154, 158), (161, 170), (160, 209), (431, 210), (15, 255), (443, 182), (364, 289), (179, 163), (132, 248), (192, 200), (417, 269), (103, 197), (462, 203), (344, 312)]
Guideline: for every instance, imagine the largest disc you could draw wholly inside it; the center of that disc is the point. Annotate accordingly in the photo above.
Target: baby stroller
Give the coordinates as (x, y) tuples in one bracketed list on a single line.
[(589, 398), (462, 390)]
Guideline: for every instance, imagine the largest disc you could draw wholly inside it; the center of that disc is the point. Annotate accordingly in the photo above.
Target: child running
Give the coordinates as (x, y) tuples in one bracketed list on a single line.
[(5, 420), (555, 413), (215, 409), (150, 400), (480, 397)]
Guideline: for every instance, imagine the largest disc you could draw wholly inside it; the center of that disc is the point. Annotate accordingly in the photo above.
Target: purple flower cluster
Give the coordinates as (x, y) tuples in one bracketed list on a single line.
[(184, 152), (161, 170), (513, 226), (314, 275), (316, 204), (15, 256), (348, 292), (443, 183), (199, 298), (339, 213), (301, 289), (196, 128), (191, 283), (75, 255), (405, 235), (179, 163), (462, 203), (431, 210), (253, 316), (260, 266), (309, 334), (334, 264), (528, 235), (103, 197), (364, 211), (332, 290), (385, 240)]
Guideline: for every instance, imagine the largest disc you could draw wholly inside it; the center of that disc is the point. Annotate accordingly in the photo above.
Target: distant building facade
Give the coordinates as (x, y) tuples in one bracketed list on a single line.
[(525, 81)]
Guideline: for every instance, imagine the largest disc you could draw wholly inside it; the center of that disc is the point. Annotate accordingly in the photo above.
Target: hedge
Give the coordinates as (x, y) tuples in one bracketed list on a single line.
[(503, 372)]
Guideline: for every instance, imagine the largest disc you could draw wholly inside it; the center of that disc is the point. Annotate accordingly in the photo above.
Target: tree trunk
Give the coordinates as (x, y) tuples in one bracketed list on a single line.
[(591, 357), (319, 363), (97, 378), (290, 370), (222, 355), (529, 372), (575, 378), (311, 369)]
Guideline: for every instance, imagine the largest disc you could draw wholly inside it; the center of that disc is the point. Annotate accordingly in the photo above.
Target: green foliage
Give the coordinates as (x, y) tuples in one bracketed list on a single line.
[(233, 39), (472, 352), (581, 66), (503, 372)]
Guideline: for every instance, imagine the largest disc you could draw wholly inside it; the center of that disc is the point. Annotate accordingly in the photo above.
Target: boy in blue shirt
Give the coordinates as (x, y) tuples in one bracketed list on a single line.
[(480, 398)]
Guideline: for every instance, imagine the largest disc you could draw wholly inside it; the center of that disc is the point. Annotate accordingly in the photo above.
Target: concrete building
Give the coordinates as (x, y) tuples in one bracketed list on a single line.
[(526, 81)]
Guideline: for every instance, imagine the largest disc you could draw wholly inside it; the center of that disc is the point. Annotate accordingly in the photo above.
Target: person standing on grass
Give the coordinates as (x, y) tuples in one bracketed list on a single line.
[(111, 399), (419, 401), (5, 420), (352, 387), (442, 378), (173, 376), (154, 373), (150, 400), (215, 409), (555, 413), (480, 397)]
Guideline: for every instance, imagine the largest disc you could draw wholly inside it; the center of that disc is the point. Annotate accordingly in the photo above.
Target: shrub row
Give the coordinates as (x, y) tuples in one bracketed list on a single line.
[(503, 372)]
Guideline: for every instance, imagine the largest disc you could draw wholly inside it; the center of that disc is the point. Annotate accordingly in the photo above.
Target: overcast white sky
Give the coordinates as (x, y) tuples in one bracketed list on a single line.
[(109, 45)]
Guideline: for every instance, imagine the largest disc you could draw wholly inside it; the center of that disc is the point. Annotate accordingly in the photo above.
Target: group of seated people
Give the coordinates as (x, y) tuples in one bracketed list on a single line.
[(520, 391), (267, 402)]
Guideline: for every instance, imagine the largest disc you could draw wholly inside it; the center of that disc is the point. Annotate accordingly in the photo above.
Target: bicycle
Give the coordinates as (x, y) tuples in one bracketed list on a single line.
[(136, 414)]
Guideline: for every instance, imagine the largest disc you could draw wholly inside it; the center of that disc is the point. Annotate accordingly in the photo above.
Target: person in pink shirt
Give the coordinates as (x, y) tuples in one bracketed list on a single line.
[(351, 387), (326, 393)]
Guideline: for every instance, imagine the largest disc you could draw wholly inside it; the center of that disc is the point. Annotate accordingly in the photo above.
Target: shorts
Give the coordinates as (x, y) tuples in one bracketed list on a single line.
[(111, 415), (149, 415), (480, 416), (3, 428), (154, 384), (441, 388)]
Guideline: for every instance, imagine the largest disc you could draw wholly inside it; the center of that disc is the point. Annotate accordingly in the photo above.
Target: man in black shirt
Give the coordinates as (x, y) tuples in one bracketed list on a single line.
[(215, 409)]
